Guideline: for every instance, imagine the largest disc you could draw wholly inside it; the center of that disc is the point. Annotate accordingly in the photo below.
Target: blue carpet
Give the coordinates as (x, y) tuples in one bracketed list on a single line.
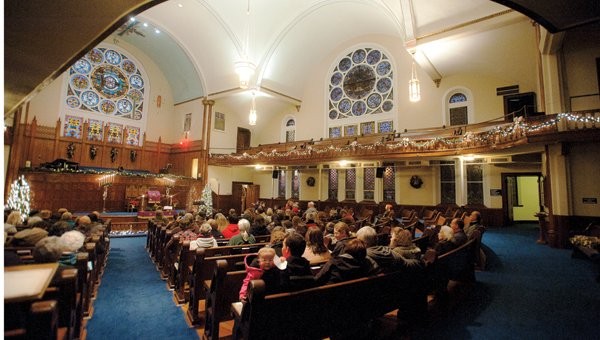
[(529, 291), (133, 302)]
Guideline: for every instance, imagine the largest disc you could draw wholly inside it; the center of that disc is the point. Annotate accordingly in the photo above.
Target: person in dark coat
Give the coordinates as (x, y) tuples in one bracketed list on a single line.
[(297, 274), (350, 265)]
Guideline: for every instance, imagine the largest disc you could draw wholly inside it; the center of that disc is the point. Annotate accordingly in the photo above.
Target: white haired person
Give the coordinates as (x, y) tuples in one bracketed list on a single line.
[(244, 237), (445, 243), (205, 238)]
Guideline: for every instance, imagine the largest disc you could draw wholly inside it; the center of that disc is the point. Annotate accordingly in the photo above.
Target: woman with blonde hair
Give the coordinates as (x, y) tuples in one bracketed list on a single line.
[(221, 221), (316, 251), (401, 243)]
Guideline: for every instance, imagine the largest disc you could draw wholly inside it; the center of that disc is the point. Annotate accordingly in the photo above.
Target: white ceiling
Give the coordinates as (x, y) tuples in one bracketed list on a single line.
[(287, 37)]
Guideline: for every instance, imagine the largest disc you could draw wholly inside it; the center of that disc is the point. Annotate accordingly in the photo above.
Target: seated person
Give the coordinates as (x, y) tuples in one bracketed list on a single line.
[(457, 226), (445, 241), (388, 215), (296, 273), (386, 259), (475, 224), (316, 251), (232, 228), (341, 232), (244, 236), (350, 265), (205, 238), (276, 240), (261, 266), (401, 243)]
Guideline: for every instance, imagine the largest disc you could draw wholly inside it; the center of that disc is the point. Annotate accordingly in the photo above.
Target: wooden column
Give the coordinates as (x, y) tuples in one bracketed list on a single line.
[(15, 153), (206, 128)]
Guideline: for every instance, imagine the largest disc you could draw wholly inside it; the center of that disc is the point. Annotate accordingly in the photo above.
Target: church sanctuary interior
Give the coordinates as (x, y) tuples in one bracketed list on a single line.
[(123, 111)]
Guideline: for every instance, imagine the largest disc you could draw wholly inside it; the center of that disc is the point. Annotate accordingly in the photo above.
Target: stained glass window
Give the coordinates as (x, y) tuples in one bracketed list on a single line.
[(367, 128), (290, 129), (335, 132), (296, 185), (447, 182), (386, 126), (281, 185), (474, 184), (361, 84), (350, 130), (389, 183), (73, 127), (108, 82), (369, 184), (332, 189), (458, 98), (350, 184)]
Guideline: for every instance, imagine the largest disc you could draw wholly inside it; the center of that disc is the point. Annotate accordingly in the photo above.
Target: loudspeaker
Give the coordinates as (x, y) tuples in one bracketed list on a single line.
[(379, 172), (275, 174)]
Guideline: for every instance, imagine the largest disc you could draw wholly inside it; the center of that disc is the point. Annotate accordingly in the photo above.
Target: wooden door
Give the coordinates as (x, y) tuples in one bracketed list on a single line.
[(243, 139)]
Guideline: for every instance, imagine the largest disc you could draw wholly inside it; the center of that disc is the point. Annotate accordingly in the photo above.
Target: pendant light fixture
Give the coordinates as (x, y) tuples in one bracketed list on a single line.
[(252, 116), (414, 89)]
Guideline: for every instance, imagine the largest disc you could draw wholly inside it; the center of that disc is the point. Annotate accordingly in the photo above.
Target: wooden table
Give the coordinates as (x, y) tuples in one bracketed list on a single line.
[(27, 282)]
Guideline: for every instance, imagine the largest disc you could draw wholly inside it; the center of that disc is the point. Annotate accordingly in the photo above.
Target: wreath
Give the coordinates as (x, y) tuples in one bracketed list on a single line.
[(310, 181), (416, 182)]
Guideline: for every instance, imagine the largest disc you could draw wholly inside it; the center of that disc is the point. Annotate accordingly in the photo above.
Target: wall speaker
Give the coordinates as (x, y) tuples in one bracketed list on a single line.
[(275, 174), (379, 172)]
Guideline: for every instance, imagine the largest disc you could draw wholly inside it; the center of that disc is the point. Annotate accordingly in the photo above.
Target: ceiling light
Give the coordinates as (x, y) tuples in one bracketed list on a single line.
[(132, 19), (245, 70), (180, 5), (252, 117), (414, 89), (156, 30), (145, 24)]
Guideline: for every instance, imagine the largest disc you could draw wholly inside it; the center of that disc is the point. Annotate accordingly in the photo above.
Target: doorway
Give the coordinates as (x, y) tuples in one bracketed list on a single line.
[(243, 140), (521, 198)]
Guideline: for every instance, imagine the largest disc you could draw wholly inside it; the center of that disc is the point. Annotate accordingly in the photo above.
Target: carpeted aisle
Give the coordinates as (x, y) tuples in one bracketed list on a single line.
[(133, 302), (529, 291)]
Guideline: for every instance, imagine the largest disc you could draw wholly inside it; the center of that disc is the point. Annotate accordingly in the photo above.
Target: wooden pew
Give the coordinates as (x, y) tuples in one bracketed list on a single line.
[(224, 290), (41, 322), (456, 265), (323, 312), (203, 268)]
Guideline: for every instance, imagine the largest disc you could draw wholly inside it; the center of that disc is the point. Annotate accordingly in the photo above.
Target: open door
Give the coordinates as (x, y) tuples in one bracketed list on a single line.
[(521, 197)]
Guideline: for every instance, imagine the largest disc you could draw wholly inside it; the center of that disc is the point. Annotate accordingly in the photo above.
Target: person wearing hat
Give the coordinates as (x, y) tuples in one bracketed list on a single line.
[(29, 236)]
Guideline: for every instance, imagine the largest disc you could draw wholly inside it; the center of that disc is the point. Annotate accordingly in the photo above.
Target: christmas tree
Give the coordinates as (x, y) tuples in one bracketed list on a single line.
[(20, 197), (206, 206)]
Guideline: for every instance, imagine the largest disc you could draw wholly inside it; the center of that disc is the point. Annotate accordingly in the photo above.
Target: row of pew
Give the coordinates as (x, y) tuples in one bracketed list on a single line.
[(215, 275), (66, 303)]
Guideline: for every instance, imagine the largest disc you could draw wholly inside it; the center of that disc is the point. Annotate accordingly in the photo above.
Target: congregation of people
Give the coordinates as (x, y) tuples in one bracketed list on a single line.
[(328, 239)]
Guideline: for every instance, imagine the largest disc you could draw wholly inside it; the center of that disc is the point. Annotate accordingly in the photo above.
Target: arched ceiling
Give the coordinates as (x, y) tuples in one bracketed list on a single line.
[(201, 39)]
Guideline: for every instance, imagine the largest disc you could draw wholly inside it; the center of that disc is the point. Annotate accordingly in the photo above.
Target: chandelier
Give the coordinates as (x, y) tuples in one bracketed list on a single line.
[(414, 89)]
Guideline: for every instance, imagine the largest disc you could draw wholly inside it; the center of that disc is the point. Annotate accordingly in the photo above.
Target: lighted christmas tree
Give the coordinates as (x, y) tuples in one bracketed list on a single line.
[(207, 201), (20, 197)]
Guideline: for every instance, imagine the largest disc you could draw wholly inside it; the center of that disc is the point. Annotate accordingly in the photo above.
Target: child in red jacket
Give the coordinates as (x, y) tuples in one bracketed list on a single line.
[(261, 266)]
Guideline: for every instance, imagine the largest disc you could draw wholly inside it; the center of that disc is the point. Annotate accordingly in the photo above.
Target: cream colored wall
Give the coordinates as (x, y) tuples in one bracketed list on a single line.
[(581, 48), (220, 178), (584, 164), (493, 180), (46, 105), (425, 195), (196, 108), (528, 197)]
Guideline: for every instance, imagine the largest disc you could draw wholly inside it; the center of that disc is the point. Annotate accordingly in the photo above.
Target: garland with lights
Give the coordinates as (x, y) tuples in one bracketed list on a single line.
[(491, 138), (19, 198)]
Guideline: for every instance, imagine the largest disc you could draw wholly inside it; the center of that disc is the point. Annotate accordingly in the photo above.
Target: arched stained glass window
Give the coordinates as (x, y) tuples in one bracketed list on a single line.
[(360, 85), (458, 98), (289, 129), (107, 82)]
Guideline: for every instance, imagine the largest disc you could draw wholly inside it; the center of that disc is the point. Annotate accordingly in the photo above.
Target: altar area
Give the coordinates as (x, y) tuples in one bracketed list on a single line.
[(112, 193)]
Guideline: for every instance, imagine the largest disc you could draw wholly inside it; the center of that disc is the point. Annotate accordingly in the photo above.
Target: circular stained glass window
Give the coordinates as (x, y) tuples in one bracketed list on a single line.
[(345, 106), (336, 94), (107, 81), (82, 66), (345, 64), (359, 108), (112, 57), (73, 102), (110, 81), (365, 75), (359, 82), (336, 78), (90, 98), (358, 56)]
